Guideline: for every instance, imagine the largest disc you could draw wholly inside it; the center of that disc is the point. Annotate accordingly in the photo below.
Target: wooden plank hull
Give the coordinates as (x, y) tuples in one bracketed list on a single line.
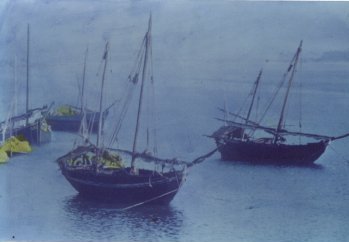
[(279, 154), (123, 187), (117, 184)]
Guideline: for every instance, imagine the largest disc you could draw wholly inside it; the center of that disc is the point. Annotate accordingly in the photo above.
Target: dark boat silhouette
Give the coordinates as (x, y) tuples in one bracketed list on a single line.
[(71, 120), (238, 141), (123, 176), (123, 184)]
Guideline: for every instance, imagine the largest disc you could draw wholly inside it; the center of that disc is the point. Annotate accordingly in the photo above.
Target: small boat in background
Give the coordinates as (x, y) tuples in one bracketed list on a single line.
[(239, 141), (68, 117), (30, 126)]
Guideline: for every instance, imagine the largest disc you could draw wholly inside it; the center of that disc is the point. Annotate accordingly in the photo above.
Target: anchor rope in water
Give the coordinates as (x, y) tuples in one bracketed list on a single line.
[(149, 200), (340, 155), (157, 197)]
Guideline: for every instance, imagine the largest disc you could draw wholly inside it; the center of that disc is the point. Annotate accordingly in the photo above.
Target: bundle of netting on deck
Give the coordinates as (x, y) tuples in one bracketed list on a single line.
[(109, 160)]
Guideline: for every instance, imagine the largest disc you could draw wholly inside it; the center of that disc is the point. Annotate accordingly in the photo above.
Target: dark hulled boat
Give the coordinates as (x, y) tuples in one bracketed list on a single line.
[(147, 186), (238, 141), (260, 152), (68, 118), (118, 183), (125, 176)]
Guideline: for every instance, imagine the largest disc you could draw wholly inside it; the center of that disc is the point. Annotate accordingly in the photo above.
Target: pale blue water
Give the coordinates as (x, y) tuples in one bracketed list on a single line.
[(220, 201), (204, 53)]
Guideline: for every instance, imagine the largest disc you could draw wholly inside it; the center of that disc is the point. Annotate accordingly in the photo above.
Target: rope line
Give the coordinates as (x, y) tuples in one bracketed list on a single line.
[(149, 200), (339, 155)]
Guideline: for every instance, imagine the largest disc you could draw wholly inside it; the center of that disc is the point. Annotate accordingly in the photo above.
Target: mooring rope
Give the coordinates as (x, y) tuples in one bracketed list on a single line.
[(340, 155), (160, 196), (149, 200)]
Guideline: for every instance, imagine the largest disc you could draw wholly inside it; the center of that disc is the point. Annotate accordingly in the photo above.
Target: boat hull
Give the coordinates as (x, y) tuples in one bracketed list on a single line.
[(33, 133), (118, 184), (72, 123), (279, 154), (123, 187)]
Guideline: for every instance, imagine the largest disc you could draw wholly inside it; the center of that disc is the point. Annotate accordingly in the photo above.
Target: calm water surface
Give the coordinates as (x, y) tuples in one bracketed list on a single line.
[(210, 53), (220, 201)]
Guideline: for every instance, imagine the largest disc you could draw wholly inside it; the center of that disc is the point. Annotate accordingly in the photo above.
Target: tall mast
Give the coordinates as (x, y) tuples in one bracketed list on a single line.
[(254, 95), (16, 90), (296, 57), (147, 43), (27, 88), (83, 81), (100, 126)]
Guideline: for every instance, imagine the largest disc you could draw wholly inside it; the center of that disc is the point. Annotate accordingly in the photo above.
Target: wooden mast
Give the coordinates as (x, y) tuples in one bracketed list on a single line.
[(100, 126), (254, 95), (83, 82), (147, 42), (27, 87), (293, 66)]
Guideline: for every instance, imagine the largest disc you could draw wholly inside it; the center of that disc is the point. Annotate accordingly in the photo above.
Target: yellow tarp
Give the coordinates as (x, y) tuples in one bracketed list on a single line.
[(111, 164), (108, 160), (3, 156), (111, 161), (65, 110), (16, 145)]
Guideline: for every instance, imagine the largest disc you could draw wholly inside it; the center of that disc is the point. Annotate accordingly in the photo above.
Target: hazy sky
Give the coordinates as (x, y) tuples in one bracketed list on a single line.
[(205, 44)]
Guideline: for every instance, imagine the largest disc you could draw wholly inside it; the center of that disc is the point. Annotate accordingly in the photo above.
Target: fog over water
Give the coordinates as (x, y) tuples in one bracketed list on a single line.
[(204, 53)]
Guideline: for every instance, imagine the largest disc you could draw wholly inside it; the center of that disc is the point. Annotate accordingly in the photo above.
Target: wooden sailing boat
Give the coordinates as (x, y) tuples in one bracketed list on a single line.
[(10, 144), (236, 140), (30, 126), (68, 117), (107, 173)]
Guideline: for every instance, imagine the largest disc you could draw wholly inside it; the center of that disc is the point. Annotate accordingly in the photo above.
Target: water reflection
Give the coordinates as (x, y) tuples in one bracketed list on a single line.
[(97, 220)]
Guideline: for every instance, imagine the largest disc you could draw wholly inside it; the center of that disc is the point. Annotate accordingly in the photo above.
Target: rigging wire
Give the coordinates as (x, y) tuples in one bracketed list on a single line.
[(243, 106), (278, 88), (300, 103), (339, 155), (153, 100), (225, 108), (132, 81), (276, 91)]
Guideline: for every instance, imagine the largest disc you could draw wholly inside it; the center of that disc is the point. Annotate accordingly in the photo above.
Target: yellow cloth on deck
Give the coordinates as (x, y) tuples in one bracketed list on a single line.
[(65, 110), (111, 161), (111, 164), (16, 145), (3, 156)]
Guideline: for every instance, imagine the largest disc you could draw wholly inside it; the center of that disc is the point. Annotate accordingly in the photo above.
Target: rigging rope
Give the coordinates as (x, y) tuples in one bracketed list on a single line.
[(340, 155), (244, 103), (283, 80), (300, 103), (132, 81), (149, 200), (153, 100), (276, 91), (122, 115)]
